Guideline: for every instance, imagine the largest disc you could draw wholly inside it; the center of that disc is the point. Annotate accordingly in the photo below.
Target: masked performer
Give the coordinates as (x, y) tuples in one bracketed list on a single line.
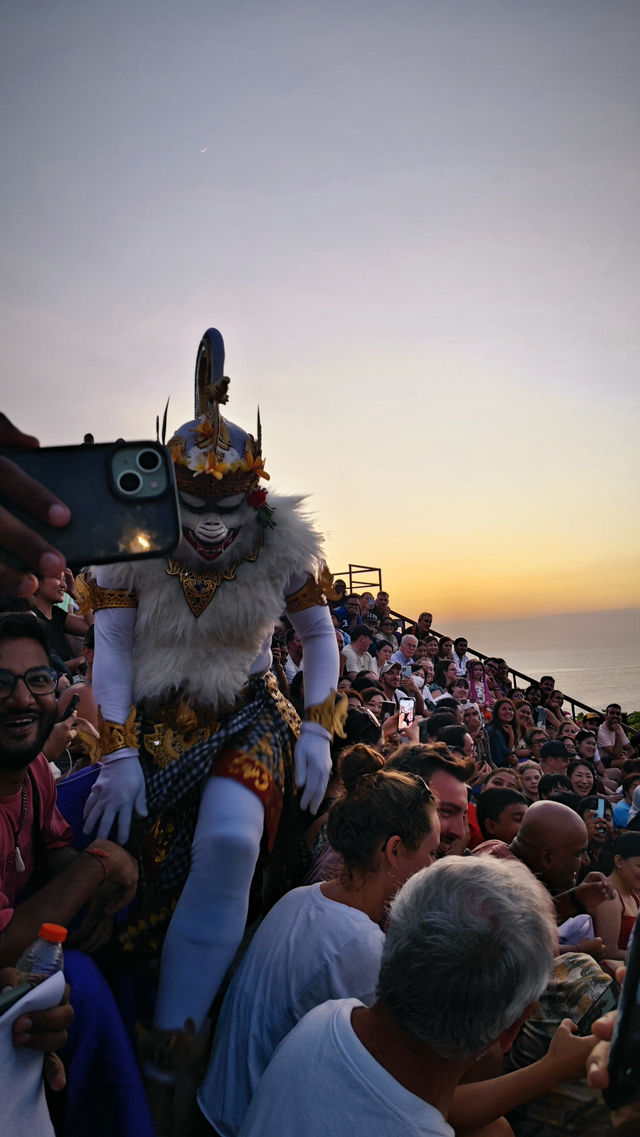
[(196, 736)]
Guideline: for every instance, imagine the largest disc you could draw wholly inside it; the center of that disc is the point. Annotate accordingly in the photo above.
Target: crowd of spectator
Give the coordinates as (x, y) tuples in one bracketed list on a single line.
[(387, 993), (494, 750)]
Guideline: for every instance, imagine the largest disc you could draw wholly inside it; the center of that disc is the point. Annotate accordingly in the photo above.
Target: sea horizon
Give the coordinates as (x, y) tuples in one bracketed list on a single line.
[(593, 656)]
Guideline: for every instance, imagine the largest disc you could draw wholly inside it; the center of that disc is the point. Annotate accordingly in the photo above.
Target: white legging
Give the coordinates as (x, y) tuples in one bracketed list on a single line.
[(208, 923)]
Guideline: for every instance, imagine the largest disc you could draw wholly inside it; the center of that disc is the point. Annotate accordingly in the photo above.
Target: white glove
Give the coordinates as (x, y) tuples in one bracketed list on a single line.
[(312, 764), (116, 792)]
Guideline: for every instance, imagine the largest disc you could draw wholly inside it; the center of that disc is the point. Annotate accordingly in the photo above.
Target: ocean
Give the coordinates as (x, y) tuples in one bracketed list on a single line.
[(593, 656)]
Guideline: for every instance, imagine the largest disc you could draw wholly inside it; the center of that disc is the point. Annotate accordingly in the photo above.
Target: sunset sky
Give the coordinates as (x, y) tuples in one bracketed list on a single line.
[(415, 224)]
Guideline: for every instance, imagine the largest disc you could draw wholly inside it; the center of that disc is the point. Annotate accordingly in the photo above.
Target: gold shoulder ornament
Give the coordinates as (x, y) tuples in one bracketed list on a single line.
[(316, 591), (91, 597)]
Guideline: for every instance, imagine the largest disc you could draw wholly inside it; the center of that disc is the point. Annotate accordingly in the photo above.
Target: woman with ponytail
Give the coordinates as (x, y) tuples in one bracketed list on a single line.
[(322, 941)]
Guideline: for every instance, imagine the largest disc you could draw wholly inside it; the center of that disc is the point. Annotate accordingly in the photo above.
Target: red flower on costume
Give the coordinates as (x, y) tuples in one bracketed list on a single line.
[(257, 498)]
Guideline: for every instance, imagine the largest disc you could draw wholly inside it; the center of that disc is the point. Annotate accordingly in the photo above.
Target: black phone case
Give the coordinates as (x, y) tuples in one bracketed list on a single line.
[(624, 1058), (104, 526)]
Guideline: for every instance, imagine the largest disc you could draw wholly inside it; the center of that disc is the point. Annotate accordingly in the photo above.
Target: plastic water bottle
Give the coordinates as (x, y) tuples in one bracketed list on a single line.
[(44, 956)]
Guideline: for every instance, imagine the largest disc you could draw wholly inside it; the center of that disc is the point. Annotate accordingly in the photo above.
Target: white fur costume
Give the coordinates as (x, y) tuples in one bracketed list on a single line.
[(160, 652), (208, 658)]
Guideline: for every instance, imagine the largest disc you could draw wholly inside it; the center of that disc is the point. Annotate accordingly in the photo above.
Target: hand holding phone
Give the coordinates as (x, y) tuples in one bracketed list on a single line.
[(70, 708), (122, 498), (606, 1001), (624, 1057), (37, 554), (406, 713)]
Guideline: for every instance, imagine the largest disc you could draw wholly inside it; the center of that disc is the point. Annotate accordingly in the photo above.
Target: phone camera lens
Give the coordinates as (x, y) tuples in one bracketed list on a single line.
[(129, 482), (148, 460)]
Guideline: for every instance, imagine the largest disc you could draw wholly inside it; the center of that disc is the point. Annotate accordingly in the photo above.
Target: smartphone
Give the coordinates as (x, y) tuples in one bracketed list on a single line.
[(607, 1001), (624, 1058), (406, 713), (388, 709), (70, 708), (600, 809), (122, 497), (406, 671), (12, 994)]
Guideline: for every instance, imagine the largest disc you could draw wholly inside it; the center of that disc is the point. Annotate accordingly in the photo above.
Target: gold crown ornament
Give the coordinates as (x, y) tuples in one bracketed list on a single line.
[(214, 457)]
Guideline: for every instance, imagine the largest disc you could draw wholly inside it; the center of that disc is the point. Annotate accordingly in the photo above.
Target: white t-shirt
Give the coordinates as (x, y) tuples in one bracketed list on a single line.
[(608, 737), (308, 949), (322, 1081), (291, 668), (353, 662)]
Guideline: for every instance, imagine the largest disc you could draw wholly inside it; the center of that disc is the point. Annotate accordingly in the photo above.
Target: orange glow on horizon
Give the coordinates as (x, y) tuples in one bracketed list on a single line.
[(553, 584)]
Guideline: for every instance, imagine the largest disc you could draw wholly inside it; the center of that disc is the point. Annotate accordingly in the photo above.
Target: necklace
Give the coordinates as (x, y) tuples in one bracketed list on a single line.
[(20, 865), (199, 588)]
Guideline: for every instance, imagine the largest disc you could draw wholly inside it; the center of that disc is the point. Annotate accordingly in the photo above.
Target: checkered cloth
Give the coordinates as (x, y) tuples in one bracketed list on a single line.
[(178, 785)]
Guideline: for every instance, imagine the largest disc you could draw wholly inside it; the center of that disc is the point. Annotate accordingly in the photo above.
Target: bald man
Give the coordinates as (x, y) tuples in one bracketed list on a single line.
[(552, 842)]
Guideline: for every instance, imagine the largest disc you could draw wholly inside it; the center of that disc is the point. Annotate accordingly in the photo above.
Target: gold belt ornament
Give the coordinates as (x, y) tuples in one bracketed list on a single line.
[(183, 728)]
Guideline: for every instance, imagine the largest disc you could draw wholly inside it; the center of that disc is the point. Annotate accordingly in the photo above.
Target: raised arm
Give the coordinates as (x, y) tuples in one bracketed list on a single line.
[(478, 1103)]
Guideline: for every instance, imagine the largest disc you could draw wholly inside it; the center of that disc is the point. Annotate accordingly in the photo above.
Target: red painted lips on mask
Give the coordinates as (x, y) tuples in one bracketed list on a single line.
[(210, 552)]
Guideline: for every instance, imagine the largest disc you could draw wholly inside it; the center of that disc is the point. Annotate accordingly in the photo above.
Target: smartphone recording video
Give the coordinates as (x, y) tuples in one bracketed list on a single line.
[(624, 1059), (122, 498), (406, 713)]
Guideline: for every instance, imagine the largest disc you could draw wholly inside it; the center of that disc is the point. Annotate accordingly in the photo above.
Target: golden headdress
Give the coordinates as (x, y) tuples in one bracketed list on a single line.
[(213, 457)]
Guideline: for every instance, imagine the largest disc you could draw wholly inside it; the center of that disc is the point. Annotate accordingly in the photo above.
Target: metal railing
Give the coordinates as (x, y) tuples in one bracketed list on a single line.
[(366, 578), (359, 578)]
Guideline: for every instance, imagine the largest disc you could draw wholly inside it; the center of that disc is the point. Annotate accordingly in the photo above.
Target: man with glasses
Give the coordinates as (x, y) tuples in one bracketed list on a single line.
[(535, 739), (349, 613), (404, 654), (388, 629), (35, 840), (36, 856)]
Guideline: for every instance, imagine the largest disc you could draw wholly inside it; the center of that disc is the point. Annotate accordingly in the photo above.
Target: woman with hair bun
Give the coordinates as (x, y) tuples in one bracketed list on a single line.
[(322, 941), (360, 726)]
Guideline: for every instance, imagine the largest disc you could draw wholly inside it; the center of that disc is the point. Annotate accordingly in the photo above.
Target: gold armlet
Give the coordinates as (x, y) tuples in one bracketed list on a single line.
[(331, 714), (116, 735), (91, 597), (316, 590)]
